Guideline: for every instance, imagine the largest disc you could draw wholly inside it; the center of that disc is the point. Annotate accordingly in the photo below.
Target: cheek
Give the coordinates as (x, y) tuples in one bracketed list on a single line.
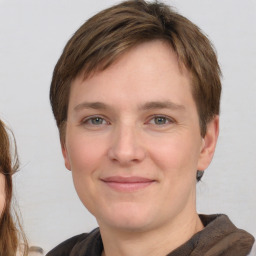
[(85, 153), (2, 192), (176, 159), (176, 154), (86, 156), (2, 202)]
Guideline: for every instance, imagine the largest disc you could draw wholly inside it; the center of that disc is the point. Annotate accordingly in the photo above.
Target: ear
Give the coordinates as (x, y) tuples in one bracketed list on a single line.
[(209, 144), (65, 156)]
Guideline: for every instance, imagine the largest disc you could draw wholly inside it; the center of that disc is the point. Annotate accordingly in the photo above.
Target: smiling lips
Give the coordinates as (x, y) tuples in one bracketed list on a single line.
[(127, 184)]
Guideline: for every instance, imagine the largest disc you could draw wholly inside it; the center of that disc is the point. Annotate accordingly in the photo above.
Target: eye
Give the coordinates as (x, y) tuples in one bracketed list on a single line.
[(160, 120), (95, 120)]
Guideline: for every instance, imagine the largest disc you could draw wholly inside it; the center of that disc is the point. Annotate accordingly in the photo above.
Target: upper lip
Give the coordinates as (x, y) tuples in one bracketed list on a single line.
[(131, 179)]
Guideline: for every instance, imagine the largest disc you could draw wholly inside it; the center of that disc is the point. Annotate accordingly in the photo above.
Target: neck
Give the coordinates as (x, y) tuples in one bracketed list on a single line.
[(156, 242)]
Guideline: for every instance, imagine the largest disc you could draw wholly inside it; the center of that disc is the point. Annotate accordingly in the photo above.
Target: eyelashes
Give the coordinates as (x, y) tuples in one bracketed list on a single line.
[(95, 121), (160, 120)]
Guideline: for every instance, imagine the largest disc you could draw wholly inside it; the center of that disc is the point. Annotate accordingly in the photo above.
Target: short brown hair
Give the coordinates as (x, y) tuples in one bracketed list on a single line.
[(111, 32)]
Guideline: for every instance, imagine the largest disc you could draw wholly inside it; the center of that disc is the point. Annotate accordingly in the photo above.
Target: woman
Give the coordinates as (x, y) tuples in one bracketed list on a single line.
[(136, 97), (11, 234)]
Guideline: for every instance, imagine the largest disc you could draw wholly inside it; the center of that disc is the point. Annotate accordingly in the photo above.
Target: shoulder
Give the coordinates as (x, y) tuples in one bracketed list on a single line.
[(86, 242), (253, 251), (66, 247), (221, 235)]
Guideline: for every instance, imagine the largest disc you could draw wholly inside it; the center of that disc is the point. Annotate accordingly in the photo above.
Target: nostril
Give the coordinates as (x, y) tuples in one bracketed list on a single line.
[(133, 155)]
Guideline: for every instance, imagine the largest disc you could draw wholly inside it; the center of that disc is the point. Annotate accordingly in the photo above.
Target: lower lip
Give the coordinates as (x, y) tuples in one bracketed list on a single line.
[(128, 186)]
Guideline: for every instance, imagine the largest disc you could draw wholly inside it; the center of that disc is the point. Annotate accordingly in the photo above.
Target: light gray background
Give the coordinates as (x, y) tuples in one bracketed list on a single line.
[(32, 36)]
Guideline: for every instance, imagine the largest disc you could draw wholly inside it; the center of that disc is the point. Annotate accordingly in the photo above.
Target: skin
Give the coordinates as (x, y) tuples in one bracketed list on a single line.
[(133, 145), (2, 192)]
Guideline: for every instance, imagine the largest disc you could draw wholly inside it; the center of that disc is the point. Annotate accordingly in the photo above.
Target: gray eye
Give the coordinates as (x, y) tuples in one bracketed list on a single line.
[(160, 120), (97, 120)]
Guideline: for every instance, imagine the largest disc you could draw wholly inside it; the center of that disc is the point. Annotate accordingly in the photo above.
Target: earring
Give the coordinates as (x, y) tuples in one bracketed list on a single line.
[(199, 175)]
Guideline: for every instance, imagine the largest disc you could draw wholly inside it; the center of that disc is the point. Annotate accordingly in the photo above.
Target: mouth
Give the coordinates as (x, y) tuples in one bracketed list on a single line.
[(127, 184)]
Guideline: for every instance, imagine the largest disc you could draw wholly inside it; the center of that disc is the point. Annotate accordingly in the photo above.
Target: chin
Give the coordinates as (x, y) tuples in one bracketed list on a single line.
[(130, 219)]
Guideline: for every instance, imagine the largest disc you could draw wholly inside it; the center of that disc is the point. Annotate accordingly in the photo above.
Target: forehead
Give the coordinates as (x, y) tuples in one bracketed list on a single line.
[(142, 69), (145, 48)]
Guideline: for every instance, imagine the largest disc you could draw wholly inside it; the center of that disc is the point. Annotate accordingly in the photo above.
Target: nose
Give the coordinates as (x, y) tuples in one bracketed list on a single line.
[(126, 146)]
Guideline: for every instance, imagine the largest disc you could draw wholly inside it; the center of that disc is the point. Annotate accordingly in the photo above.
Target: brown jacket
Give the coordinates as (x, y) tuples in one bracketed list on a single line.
[(219, 238)]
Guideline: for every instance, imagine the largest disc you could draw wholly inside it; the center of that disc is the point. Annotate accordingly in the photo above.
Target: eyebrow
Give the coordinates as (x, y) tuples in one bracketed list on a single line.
[(161, 105), (147, 106), (92, 105)]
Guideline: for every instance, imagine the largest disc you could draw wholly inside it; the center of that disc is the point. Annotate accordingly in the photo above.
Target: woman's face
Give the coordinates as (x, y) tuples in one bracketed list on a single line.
[(133, 140), (2, 192)]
